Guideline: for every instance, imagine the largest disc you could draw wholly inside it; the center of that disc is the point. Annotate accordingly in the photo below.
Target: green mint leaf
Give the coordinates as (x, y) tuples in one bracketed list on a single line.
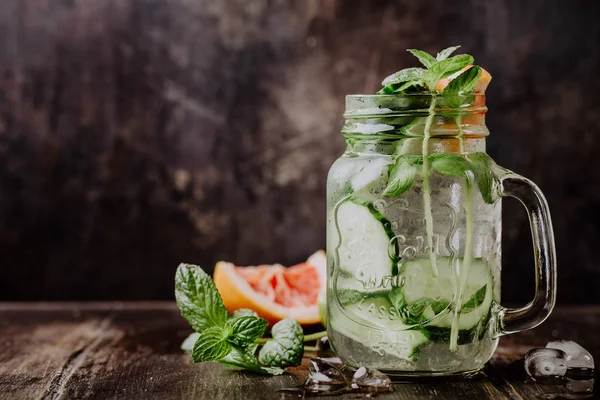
[(482, 167), (475, 301), (450, 164), (405, 75), (198, 299), (459, 92), (425, 58), (397, 298), (445, 68), (406, 87), (411, 87), (212, 345), (402, 174), (188, 343), (245, 330), (243, 358), (465, 82), (389, 89), (442, 55), (439, 305), (243, 312), (417, 307), (287, 346)]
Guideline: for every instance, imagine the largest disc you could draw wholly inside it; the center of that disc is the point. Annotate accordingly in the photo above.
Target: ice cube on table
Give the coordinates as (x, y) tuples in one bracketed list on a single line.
[(541, 363), (577, 356), (323, 377), (371, 380)]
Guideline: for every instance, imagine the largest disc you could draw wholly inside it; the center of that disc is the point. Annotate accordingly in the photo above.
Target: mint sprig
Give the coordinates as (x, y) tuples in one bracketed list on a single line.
[(231, 341), (459, 93), (415, 79)]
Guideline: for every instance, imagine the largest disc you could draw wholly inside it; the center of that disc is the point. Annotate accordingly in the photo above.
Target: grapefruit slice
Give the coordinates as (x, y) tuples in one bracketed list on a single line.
[(275, 292)]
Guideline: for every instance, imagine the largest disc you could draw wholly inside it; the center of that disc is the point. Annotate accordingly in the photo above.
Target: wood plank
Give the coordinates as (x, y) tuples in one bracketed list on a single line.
[(131, 350), (38, 355)]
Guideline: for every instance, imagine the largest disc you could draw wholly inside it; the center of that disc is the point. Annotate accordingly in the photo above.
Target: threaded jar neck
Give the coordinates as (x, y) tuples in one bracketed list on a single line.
[(414, 116)]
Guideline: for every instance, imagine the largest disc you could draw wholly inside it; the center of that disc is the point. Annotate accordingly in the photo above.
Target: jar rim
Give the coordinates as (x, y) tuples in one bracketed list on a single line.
[(383, 104), (400, 95)]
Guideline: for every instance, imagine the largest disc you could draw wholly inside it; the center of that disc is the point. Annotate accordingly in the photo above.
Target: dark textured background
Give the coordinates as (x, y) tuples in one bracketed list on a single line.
[(135, 134)]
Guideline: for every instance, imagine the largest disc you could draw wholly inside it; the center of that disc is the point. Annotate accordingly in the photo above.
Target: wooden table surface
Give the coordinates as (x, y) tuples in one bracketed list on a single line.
[(131, 350)]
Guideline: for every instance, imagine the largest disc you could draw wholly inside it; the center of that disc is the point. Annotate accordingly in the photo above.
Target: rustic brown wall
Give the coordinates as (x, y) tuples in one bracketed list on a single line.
[(135, 134)]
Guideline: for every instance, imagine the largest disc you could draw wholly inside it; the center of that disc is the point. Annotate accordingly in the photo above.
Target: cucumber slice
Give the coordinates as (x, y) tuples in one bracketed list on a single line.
[(375, 324), (405, 345), (424, 293), (362, 252)]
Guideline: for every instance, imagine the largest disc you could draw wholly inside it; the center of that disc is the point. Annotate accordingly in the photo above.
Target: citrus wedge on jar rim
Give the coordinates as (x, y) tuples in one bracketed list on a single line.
[(275, 292)]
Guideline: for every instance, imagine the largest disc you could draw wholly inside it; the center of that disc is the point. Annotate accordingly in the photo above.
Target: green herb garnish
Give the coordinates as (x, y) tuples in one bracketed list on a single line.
[(232, 341), (424, 80), (459, 93)]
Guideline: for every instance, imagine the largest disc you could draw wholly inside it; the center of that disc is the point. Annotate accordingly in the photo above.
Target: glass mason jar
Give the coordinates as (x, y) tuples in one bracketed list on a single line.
[(414, 238)]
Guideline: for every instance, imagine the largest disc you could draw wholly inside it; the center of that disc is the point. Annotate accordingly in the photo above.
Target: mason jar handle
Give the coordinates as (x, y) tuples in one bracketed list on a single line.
[(513, 320)]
